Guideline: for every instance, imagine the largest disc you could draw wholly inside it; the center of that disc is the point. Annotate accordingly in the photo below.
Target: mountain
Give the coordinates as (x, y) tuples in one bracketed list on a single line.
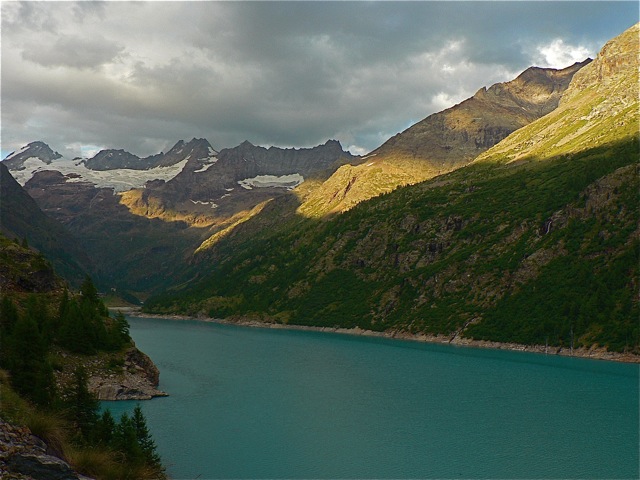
[(236, 179), (130, 253), (535, 242), (38, 157), (112, 159), (21, 218), (190, 193), (445, 140), (32, 151)]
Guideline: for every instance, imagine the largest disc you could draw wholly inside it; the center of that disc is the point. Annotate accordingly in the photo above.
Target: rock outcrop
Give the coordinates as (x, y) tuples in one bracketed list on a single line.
[(138, 381), (23, 456), (458, 134)]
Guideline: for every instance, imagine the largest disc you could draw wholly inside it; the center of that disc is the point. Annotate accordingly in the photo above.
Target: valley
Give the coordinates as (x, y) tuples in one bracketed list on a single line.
[(490, 221)]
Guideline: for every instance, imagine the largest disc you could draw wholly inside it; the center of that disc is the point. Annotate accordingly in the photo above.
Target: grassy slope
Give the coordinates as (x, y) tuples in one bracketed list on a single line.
[(536, 242)]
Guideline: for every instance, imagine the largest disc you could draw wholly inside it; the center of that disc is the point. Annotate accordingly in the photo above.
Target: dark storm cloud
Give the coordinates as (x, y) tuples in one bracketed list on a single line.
[(143, 75)]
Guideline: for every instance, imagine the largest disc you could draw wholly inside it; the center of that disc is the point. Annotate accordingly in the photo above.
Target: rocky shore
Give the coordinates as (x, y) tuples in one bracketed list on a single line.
[(124, 375), (138, 381), (595, 352)]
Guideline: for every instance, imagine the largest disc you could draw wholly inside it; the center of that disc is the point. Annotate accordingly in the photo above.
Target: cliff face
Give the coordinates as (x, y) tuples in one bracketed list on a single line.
[(615, 65), (21, 217), (138, 380)]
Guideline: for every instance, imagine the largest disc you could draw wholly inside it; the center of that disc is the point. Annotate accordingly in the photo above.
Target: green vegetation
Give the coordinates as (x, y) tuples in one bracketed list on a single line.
[(35, 330), (536, 241), (479, 246)]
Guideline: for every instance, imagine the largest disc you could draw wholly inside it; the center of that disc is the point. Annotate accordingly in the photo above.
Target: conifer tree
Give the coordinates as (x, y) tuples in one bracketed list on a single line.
[(74, 334), (83, 407), (144, 439), (8, 316), (119, 332), (89, 291), (31, 373), (105, 429), (126, 441)]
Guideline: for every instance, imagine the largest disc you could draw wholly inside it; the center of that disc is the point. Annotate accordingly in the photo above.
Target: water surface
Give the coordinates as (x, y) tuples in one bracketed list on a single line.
[(259, 403)]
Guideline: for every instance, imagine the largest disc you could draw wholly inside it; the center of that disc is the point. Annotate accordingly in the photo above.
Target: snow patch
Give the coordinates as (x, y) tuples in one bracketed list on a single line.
[(199, 202), (207, 163), (121, 179), (18, 152), (261, 181)]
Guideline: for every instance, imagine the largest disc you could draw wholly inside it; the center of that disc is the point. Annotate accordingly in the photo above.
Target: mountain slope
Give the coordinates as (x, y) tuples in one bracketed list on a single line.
[(20, 217), (535, 242), (444, 141), (236, 179), (137, 237)]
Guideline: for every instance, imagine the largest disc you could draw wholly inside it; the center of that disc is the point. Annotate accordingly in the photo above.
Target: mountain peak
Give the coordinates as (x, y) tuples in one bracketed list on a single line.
[(616, 63), (37, 149)]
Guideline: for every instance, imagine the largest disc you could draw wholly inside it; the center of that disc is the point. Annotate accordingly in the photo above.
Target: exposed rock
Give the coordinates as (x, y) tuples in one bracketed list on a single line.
[(40, 150), (138, 381), (458, 134), (444, 141), (24, 456), (113, 159)]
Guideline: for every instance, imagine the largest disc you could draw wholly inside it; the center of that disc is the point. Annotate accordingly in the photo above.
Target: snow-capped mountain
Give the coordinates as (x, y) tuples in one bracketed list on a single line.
[(116, 169), (15, 161)]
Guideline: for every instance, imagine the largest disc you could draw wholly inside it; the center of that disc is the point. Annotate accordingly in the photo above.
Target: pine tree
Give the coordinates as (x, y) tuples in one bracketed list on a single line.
[(119, 332), (83, 407), (31, 373), (89, 291), (143, 436), (126, 441), (105, 429), (8, 319)]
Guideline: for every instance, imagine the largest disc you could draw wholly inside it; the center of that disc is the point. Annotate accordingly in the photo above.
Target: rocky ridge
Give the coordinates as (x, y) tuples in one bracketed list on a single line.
[(444, 141), (40, 150)]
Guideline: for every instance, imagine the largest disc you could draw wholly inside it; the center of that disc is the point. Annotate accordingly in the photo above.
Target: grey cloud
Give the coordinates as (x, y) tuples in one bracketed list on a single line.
[(142, 75), (73, 51)]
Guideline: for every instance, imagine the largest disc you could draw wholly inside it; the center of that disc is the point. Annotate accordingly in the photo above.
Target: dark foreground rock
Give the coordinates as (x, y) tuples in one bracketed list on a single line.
[(26, 457)]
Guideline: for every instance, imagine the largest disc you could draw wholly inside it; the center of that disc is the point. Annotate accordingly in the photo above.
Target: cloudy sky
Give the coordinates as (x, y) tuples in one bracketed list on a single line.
[(82, 76)]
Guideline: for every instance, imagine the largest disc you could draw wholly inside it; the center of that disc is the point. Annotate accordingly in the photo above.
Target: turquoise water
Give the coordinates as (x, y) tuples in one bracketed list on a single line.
[(258, 403)]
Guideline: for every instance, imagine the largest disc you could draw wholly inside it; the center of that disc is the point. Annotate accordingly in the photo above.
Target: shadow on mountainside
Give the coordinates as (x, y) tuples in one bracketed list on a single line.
[(442, 256)]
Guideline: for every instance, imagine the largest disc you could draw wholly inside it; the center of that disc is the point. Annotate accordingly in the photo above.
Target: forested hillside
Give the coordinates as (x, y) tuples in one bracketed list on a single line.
[(536, 242), (49, 336)]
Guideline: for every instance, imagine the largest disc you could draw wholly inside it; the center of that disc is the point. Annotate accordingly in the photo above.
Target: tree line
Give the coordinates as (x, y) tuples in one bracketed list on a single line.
[(79, 324)]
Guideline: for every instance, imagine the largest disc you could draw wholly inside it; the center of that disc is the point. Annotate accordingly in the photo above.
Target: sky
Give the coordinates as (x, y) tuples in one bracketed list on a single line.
[(83, 76)]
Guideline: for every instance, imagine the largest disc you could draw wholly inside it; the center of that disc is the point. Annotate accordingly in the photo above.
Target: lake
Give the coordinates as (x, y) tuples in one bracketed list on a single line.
[(259, 403)]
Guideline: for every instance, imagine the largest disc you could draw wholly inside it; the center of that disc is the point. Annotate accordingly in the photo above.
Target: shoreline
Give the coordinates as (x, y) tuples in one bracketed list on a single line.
[(594, 353)]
